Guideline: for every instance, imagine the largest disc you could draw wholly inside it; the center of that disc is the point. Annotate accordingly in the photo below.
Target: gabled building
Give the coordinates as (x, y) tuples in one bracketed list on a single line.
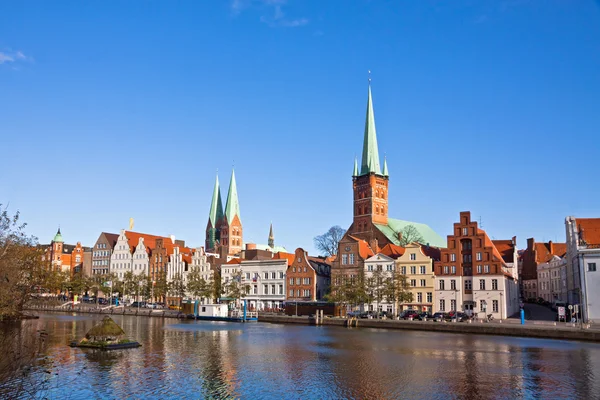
[(535, 254), (308, 278), (473, 276), (416, 263), (102, 252), (371, 223), (63, 257), (582, 262)]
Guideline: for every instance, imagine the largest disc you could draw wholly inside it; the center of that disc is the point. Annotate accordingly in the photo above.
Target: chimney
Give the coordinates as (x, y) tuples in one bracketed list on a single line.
[(551, 247), (530, 242), (250, 246), (172, 239)]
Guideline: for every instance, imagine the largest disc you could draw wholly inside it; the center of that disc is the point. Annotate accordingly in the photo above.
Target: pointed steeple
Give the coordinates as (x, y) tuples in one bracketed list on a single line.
[(271, 237), (370, 155), (58, 237), (232, 207), (385, 169), (355, 173), (216, 205)]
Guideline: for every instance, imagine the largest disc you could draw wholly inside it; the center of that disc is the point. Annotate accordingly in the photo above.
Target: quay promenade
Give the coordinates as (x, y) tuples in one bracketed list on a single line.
[(107, 310)]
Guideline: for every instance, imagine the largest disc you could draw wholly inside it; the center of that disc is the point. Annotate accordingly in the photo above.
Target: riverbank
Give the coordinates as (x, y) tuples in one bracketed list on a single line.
[(503, 329), (109, 310)]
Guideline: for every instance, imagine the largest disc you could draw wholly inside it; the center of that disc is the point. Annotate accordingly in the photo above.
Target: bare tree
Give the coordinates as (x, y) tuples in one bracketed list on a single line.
[(327, 243), (410, 234)]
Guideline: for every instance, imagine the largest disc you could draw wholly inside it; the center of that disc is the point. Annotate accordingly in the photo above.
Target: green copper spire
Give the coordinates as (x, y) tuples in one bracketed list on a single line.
[(232, 208), (355, 173), (216, 205), (370, 155), (271, 237), (58, 237), (385, 170)]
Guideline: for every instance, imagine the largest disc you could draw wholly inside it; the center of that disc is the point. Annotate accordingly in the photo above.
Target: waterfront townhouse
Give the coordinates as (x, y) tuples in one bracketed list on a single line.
[(264, 279), (535, 254), (552, 279), (582, 261), (178, 268), (377, 269), (63, 257), (472, 274), (308, 278), (417, 265), (102, 252), (159, 257)]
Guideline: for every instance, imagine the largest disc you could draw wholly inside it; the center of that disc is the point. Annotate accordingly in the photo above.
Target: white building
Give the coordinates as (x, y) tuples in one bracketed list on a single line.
[(552, 279), (265, 279), (386, 265), (582, 262), (121, 258)]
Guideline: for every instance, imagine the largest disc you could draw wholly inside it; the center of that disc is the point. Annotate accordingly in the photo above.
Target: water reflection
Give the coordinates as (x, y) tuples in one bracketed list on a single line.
[(193, 359)]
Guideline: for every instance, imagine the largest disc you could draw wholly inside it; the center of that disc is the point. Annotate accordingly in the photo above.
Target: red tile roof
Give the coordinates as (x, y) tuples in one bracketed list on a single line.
[(489, 243), (133, 239), (433, 252), (544, 251), (392, 251), (506, 249), (281, 255), (589, 229), (234, 261), (364, 250)]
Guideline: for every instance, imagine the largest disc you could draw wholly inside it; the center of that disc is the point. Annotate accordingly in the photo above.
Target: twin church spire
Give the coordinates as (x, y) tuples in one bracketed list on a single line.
[(218, 231)]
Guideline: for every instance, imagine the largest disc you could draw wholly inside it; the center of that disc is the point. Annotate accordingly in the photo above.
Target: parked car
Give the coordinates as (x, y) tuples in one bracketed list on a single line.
[(137, 304), (151, 305), (160, 306), (408, 314), (102, 301), (460, 317), (354, 314), (439, 316), (424, 315)]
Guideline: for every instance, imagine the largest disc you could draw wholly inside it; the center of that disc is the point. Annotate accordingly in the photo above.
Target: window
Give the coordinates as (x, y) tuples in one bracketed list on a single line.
[(494, 305), (307, 281), (442, 305), (413, 256), (351, 259), (413, 270), (306, 293), (465, 231), (482, 305), (452, 257), (592, 267), (344, 259), (479, 269), (482, 284), (468, 284), (419, 297), (413, 282), (452, 305), (467, 258), (442, 285), (446, 269), (273, 275), (370, 268), (423, 270), (423, 283), (294, 269), (478, 257), (266, 275), (291, 293), (429, 297), (297, 281), (280, 275), (403, 270), (255, 289), (453, 284), (390, 267), (280, 289), (486, 269), (291, 281), (298, 292), (453, 269), (494, 284), (247, 275), (266, 289), (273, 289)]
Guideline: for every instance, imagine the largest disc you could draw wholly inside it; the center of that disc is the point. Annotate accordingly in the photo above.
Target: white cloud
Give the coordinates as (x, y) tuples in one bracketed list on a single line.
[(276, 16), (9, 56)]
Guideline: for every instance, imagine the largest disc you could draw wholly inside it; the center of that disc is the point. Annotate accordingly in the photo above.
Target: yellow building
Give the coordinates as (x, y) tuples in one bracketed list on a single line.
[(417, 264)]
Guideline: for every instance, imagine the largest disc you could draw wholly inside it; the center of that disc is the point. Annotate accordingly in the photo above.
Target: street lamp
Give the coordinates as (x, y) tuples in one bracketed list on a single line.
[(501, 304)]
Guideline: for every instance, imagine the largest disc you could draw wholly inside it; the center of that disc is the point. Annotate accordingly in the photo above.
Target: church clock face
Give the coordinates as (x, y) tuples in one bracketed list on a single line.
[(348, 248)]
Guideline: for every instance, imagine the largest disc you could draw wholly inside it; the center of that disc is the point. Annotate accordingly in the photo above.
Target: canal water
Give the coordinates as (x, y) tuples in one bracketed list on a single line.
[(196, 360)]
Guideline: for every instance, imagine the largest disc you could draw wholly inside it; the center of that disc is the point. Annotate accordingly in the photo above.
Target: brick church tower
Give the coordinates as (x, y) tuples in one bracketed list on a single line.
[(370, 184)]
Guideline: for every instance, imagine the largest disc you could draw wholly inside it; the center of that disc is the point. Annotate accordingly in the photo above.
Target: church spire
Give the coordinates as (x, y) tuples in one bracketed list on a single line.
[(232, 207), (385, 169), (271, 237), (216, 205), (355, 172), (370, 155)]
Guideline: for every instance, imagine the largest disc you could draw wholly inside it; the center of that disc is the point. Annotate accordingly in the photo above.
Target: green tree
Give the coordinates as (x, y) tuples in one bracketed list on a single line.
[(198, 287), (397, 290), (235, 288), (130, 282), (161, 286), (177, 287)]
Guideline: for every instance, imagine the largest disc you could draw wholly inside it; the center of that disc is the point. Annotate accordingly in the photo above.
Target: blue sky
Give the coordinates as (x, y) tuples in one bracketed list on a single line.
[(119, 109)]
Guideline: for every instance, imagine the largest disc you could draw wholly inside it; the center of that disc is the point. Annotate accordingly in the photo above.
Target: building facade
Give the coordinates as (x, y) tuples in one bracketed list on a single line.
[(582, 263), (102, 252), (417, 265), (472, 276), (62, 257), (535, 254), (308, 278)]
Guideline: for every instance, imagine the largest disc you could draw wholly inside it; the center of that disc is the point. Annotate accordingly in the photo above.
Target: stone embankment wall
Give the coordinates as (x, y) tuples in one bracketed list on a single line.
[(110, 311), (535, 331)]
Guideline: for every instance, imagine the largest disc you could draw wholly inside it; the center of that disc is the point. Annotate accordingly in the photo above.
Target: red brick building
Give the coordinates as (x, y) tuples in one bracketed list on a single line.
[(308, 278), (535, 254)]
